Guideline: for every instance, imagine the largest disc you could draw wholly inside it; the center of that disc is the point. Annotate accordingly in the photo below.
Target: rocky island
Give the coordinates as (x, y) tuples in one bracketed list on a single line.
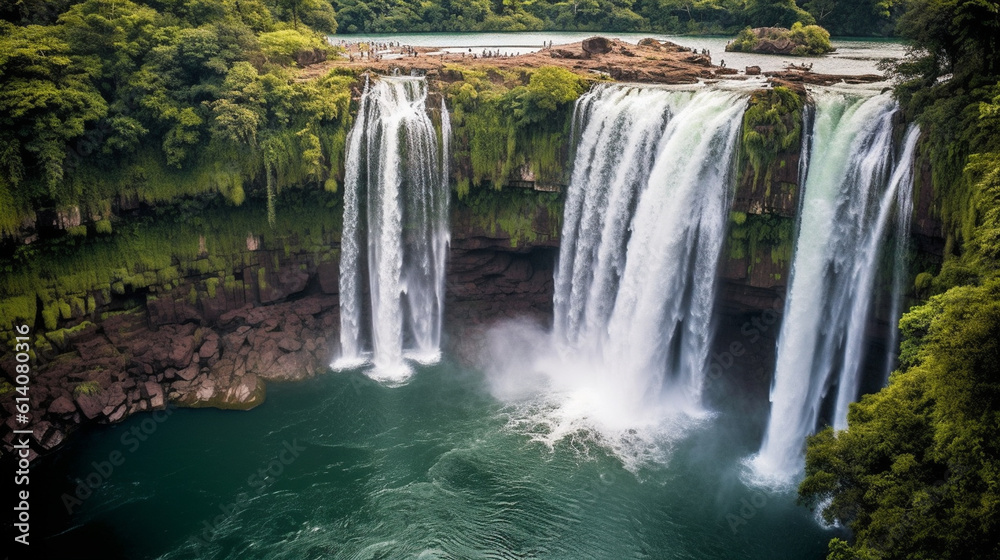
[(800, 40)]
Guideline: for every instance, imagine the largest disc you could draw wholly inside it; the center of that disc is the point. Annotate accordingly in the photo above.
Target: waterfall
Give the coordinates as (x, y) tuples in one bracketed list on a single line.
[(396, 201), (644, 223), (849, 197), (902, 182)]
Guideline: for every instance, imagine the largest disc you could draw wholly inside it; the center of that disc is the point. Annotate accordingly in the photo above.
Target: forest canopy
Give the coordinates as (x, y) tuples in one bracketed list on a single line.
[(840, 17), (156, 99)]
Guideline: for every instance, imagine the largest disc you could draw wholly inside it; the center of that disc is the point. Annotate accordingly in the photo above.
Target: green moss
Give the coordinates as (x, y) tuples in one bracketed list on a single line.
[(103, 227), (50, 317), (78, 306), (211, 285), (77, 231), (58, 337), (88, 388), (753, 234), (155, 254), (17, 310), (522, 215), (772, 124)]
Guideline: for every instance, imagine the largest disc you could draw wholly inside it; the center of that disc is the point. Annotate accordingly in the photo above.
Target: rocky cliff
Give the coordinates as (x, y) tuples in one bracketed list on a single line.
[(203, 305)]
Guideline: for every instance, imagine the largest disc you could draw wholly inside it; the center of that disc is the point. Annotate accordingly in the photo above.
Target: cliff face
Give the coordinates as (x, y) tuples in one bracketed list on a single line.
[(204, 306), (502, 269), (216, 338)]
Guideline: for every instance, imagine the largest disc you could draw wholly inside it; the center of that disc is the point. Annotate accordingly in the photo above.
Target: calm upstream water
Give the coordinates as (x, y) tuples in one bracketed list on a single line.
[(340, 466), (853, 56)]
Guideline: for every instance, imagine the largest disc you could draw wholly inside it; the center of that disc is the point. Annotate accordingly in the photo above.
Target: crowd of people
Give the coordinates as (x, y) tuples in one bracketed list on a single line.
[(376, 50)]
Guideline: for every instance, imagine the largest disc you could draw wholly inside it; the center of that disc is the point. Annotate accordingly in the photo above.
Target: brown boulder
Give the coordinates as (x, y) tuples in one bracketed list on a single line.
[(210, 348), (181, 352), (62, 405), (307, 57), (328, 274), (154, 392), (289, 344), (118, 413), (90, 405), (189, 373), (597, 45)]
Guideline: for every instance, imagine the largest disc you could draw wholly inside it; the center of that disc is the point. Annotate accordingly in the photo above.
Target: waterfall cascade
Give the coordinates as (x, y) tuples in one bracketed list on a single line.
[(854, 188), (643, 228), (645, 219), (395, 202)]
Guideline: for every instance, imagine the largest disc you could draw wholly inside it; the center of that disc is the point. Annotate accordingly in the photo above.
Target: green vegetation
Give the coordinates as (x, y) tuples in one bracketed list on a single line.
[(915, 475), (88, 388), (753, 235), (843, 17), (522, 215), (855, 18), (772, 124), (60, 281), (153, 101), (503, 119), (917, 472)]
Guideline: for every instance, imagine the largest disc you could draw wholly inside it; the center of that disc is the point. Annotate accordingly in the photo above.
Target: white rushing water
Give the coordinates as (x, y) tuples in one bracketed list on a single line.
[(645, 219), (395, 202), (644, 223), (855, 185)]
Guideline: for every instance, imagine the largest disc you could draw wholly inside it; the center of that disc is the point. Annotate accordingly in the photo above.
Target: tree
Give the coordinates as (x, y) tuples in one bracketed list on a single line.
[(916, 473), (776, 13), (47, 99), (951, 36)]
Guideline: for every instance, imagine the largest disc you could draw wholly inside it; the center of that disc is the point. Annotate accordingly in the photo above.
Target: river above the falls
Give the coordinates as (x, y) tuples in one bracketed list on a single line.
[(854, 56), (339, 466)]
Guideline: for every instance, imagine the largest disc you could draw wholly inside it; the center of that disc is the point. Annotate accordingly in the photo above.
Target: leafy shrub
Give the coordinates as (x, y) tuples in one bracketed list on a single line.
[(283, 45), (745, 41), (813, 39)]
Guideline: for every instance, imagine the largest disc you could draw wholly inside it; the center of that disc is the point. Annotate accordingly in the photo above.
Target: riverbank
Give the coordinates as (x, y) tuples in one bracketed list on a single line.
[(649, 61)]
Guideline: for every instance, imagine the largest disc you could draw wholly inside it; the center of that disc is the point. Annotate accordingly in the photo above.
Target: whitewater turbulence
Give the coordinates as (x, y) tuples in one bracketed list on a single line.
[(395, 203), (643, 227), (856, 186)]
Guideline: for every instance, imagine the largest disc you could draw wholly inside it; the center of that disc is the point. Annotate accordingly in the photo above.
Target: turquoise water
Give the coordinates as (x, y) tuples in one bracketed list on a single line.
[(437, 468)]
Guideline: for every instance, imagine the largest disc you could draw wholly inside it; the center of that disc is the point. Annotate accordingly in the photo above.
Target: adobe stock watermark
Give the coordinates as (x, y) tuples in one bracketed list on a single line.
[(749, 507), (752, 332), (131, 440), (258, 481)]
